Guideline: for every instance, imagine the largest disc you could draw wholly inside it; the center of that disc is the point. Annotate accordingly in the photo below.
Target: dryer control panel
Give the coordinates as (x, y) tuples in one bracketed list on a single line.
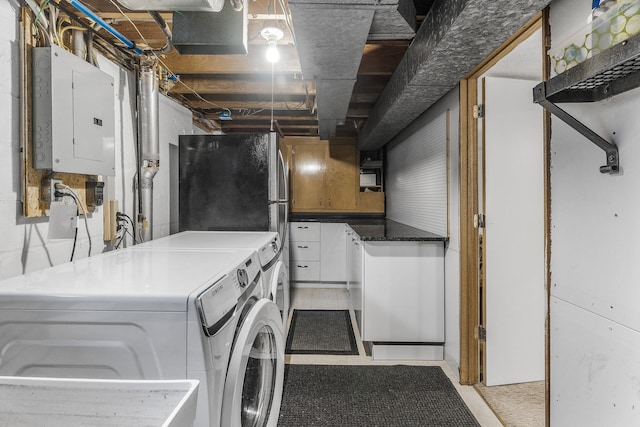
[(217, 304), (269, 251)]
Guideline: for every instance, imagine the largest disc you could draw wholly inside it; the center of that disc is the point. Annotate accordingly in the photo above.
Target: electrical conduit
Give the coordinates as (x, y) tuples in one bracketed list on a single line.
[(82, 8)]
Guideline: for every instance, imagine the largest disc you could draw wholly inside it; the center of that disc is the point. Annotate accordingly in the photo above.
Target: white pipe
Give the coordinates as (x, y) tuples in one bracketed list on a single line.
[(79, 45), (148, 122)]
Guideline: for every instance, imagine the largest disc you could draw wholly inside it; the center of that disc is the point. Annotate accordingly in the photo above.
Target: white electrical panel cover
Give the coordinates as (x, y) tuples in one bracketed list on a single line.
[(73, 114)]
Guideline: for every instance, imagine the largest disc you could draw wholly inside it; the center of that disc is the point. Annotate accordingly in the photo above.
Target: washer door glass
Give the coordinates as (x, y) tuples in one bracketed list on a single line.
[(253, 387), (260, 379)]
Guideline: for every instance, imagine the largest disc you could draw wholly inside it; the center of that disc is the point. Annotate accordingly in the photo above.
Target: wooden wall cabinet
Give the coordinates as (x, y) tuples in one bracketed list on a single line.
[(324, 175)]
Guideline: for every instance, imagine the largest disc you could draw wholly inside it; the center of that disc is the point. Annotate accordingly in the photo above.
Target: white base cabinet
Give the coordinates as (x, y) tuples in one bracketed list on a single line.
[(318, 252), (397, 289), (333, 253)]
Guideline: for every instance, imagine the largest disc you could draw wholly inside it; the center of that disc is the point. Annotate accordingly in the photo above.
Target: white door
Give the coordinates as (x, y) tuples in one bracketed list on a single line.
[(253, 387), (514, 235)]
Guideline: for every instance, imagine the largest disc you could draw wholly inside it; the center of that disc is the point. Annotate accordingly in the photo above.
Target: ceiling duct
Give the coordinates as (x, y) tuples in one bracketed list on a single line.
[(330, 37), (396, 21), (181, 5), (454, 38), (211, 33)]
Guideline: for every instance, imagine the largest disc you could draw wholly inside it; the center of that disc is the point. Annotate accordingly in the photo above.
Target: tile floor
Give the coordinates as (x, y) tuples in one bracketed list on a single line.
[(338, 299)]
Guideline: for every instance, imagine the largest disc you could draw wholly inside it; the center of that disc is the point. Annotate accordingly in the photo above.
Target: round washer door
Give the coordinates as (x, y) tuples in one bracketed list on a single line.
[(253, 387), (279, 290)]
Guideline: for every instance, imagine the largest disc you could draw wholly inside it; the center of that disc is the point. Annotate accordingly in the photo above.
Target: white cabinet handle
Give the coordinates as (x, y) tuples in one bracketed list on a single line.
[(302, 227), (303, 266)]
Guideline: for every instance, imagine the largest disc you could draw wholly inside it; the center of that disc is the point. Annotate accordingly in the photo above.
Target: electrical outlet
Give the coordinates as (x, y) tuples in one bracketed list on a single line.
[(48, 189)]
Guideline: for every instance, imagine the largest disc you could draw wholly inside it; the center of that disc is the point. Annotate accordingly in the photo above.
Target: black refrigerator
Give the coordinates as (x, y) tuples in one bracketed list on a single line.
[(235, 182)]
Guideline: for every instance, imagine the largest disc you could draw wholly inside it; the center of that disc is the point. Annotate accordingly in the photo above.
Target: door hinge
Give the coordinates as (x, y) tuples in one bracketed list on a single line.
[(478, 221), (478, 111), (480, 333)]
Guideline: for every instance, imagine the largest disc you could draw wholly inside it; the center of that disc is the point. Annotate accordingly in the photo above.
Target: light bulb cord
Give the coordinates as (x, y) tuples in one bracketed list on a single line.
[(272, 85)]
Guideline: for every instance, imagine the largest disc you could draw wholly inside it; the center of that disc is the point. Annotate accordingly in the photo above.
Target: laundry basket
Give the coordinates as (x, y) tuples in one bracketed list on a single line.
[(57, 402)]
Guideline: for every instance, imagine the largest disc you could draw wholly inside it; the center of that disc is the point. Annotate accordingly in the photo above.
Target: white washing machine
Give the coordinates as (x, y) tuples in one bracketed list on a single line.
[(267, 243), (153, 314)]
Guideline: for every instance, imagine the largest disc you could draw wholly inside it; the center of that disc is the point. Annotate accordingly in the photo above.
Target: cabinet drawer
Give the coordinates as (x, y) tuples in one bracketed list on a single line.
[(305, 270), (305, 251), (305, 231)]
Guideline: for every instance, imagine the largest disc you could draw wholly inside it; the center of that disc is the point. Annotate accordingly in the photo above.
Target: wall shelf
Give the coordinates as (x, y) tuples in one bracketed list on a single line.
[(609, 73)]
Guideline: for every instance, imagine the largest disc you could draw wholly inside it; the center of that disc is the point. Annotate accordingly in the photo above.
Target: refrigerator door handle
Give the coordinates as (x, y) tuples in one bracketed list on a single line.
[(286, 196), (284, 177)]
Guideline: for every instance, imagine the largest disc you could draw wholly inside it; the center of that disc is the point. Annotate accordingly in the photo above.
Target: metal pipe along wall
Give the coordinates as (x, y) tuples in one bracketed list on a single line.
[(148, 122)]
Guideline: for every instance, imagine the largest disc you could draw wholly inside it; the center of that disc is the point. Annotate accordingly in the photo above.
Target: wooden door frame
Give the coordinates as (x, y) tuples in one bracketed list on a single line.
[(469, 265)]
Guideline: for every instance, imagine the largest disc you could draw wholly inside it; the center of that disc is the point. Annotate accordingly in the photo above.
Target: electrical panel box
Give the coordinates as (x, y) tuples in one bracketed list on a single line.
[(73, 114)]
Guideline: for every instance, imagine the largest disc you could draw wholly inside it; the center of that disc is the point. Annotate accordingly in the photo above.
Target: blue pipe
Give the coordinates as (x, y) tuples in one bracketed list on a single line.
[(82, 8)]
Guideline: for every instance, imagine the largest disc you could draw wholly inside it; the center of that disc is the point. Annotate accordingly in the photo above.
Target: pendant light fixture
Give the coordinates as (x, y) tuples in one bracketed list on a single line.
[(272, 35)]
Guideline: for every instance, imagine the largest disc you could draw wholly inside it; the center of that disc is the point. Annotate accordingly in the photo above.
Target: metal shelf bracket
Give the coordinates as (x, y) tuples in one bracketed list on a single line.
[(610, 149)]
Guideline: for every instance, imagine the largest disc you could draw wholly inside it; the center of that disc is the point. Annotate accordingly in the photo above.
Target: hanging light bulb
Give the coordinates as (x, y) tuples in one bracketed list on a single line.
[(272, 35), (273, 55)]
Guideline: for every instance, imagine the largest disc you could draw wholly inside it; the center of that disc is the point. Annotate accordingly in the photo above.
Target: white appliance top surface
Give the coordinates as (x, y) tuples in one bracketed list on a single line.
[(255, 240), (147, 280), (213, 240)]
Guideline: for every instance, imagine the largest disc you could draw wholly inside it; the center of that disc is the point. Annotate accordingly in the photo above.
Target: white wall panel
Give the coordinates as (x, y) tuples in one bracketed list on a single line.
[(595, 246), (416, 186), (175, 120), (595, 374), (452, 310), (594, 257), (397, 199)]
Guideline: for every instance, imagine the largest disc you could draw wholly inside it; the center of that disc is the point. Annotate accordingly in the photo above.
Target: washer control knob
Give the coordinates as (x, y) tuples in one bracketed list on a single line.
[(274, 246), (243, 278)]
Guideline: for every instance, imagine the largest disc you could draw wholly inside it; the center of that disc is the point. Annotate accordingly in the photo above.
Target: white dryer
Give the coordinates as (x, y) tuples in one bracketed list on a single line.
[(153, 314), (267, 243)]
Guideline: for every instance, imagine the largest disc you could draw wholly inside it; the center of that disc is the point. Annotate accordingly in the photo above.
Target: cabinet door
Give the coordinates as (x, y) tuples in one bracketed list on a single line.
[(342, 177), (356, 287), (305, 251), (307, 181), (333, 251), (304, 231), (403, 292)]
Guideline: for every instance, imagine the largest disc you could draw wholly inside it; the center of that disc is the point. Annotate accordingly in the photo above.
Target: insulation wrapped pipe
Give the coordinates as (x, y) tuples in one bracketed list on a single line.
[(148, 123)]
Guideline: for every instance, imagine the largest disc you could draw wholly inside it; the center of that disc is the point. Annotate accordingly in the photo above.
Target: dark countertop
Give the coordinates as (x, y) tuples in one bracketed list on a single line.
[(378, 229)]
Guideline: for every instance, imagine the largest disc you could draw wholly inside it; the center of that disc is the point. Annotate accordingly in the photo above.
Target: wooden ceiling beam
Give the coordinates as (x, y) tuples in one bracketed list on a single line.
[(381, 58), (283, 123), (252, 105), (106, 6), (152, 33), (254, 63), (230, 125), (266, 116), (240, 86)]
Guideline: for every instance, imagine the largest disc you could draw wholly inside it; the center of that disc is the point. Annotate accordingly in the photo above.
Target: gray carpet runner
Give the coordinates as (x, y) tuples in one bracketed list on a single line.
[(394, 396), (321, 332)]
